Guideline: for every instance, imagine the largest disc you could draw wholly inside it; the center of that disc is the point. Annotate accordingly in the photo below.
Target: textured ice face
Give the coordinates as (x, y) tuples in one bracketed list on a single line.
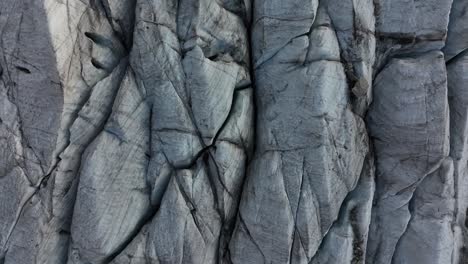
[(237, 132)]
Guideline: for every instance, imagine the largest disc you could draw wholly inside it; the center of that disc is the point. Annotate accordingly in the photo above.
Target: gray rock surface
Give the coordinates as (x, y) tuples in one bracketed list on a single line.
[(233, 131)]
